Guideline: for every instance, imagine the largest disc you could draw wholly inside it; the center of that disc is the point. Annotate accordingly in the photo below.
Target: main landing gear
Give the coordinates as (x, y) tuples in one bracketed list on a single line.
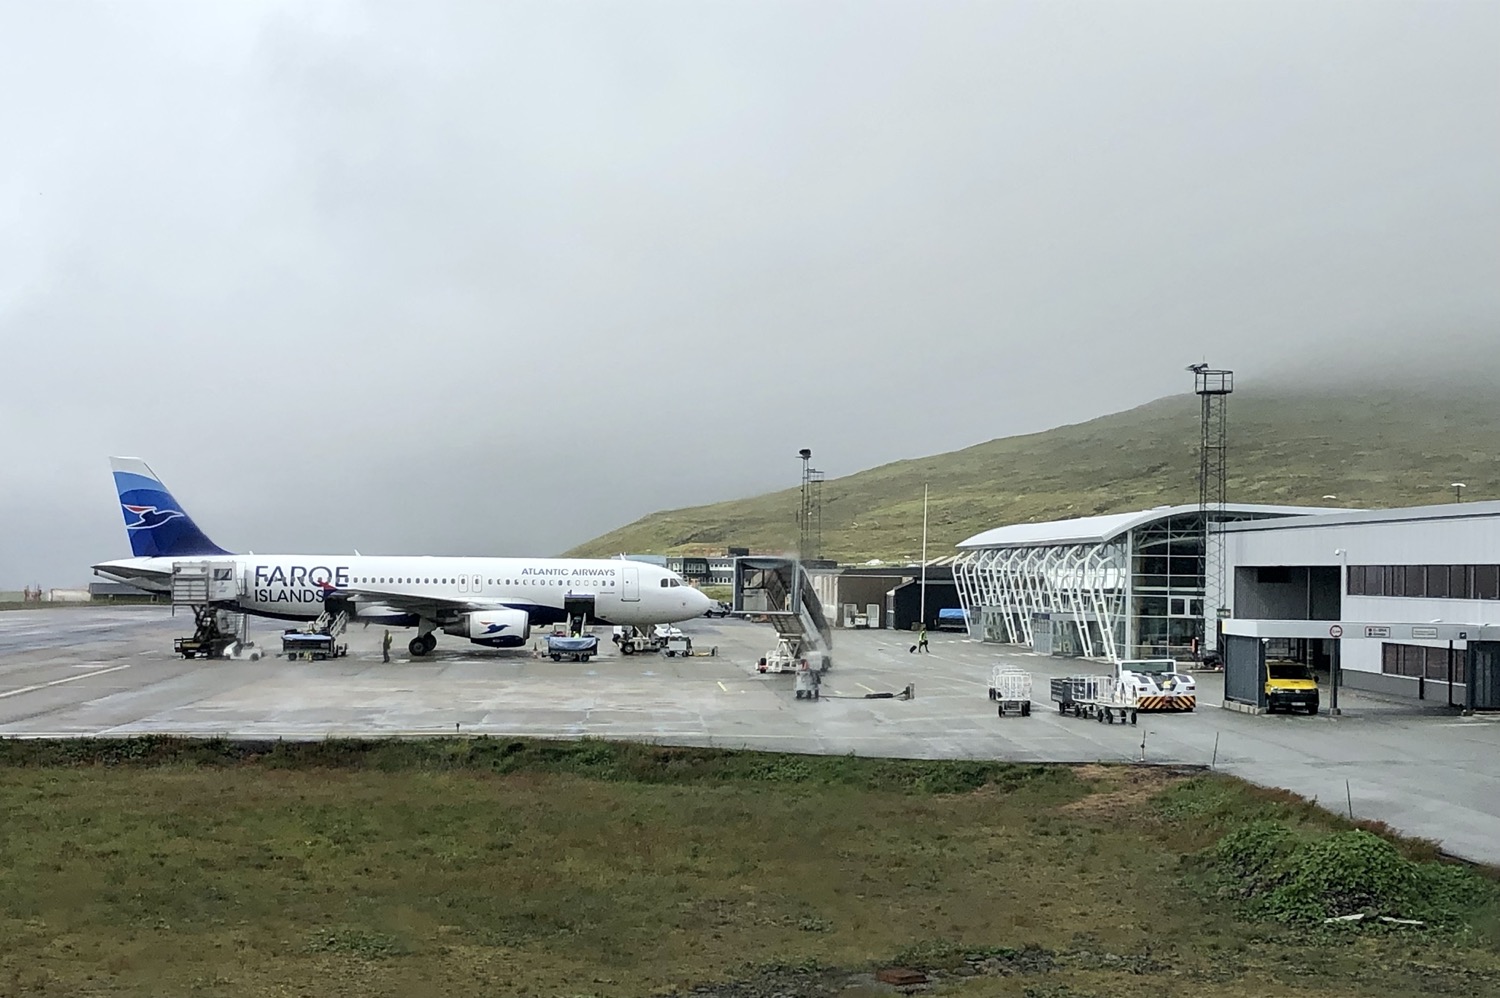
[(422, 644)]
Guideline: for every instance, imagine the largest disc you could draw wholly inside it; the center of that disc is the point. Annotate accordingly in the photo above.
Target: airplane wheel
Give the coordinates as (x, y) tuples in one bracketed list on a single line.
[(431, 643), (417, 646)]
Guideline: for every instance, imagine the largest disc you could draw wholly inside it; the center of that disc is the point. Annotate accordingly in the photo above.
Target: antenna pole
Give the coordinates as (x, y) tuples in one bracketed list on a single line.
[(923, 611)]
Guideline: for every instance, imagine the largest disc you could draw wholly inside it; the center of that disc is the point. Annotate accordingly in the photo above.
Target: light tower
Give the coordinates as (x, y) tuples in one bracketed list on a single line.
[(1213, 389), (810, 513)]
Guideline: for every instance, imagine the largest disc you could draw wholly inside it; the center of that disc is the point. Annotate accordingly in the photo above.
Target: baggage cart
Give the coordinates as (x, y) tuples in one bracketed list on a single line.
[(576, 649), (1099, 697), (1010, 688)]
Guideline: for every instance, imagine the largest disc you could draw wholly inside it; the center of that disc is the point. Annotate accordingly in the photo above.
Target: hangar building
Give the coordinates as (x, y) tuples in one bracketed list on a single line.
[(1421, 566)]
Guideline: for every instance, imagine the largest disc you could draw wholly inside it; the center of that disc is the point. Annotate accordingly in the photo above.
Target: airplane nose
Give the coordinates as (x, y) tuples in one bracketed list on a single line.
[(701, 602)]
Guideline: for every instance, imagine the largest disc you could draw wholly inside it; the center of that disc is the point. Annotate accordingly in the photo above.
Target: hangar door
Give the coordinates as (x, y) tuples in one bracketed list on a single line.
[(1244, 670)]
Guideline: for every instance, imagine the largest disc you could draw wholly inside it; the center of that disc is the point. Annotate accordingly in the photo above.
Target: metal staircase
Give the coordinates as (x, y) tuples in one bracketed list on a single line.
[(780, 590), (331, 623)]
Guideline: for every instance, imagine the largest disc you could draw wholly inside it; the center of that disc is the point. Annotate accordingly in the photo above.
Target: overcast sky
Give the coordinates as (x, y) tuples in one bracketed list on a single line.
[(495, 277)]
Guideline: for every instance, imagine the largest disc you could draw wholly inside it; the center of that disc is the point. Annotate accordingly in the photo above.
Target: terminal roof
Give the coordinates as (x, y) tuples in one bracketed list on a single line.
[(1099, 529)]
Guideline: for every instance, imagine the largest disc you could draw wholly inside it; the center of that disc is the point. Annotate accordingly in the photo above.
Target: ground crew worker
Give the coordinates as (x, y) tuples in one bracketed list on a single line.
[(922, 640), (385, 647)]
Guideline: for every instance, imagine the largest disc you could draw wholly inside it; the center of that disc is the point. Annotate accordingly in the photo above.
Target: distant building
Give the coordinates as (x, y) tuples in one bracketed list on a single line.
[(120, 592), (895, 591)]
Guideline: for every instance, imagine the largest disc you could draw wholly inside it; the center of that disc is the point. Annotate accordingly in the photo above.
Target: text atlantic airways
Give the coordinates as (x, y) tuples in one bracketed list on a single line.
[(490, 601)]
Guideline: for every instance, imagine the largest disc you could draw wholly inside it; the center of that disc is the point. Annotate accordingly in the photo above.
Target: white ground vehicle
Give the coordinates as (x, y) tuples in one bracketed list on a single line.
[(1156, 684), (636, 640)]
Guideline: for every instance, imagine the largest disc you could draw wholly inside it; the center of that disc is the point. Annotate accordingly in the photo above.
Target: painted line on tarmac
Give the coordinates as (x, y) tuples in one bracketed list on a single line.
[(864, 687), (59, 682)]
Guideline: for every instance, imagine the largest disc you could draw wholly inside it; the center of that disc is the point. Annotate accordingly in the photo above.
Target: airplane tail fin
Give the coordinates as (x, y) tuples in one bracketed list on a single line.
[(157, 524)]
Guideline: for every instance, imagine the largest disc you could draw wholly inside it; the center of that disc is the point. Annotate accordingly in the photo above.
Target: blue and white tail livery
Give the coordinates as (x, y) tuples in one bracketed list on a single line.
[(157, 524), (489, 601)]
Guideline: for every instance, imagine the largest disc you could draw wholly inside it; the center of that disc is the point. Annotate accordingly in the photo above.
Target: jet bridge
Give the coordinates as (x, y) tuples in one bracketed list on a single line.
[(780, 590)]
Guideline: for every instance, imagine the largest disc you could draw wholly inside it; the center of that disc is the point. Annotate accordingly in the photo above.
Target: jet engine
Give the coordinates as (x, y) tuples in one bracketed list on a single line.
[(493, 628)]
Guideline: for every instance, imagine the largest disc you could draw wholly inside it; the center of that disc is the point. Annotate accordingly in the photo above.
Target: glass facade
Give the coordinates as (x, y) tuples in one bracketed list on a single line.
[(1137, 594), (1166, 597)]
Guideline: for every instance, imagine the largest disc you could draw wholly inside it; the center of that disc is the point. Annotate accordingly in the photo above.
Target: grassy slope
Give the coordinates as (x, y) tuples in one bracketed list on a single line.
[(1376, 448), (578, 869)]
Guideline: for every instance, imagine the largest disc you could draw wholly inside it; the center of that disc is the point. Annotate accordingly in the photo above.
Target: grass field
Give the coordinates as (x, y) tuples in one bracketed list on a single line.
[(1371, 448), (568, 869)]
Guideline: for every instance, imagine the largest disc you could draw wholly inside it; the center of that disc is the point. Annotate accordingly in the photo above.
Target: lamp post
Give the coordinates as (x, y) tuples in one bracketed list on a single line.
[(1458, 491), (1338, 643)]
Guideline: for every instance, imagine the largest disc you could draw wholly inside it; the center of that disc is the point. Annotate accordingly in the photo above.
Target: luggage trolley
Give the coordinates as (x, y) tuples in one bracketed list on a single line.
[(1099, 697), (1010, 688)]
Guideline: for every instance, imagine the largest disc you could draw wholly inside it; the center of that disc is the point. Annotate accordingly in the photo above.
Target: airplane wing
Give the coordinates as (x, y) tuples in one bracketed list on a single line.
[(431, 607)]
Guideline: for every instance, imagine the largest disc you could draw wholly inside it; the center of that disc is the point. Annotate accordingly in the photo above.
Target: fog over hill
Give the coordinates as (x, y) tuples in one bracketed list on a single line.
[(1364, 440)]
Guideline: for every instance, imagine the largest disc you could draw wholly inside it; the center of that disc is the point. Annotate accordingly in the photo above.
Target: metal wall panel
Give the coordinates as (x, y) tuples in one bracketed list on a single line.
[(1484, 665), (1245, 670)]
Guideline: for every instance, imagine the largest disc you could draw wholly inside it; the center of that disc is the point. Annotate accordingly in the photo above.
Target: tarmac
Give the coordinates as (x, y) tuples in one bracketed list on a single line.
[(110, 672)]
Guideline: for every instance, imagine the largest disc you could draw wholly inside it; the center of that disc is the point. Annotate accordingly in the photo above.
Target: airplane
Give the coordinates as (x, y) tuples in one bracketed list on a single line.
[(490, 601)]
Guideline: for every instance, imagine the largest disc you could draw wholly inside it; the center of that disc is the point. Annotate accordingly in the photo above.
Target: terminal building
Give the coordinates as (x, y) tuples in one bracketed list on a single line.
[(1131, 585), (1125, 585)]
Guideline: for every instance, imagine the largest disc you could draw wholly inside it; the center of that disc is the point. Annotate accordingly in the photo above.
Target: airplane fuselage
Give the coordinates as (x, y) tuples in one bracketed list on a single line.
[(293, 587)]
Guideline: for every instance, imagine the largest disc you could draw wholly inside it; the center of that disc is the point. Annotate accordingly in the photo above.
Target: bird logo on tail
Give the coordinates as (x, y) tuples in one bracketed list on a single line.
[(148, 517)]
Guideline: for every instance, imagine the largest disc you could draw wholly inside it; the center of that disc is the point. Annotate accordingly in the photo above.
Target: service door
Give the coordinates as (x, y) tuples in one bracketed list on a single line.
[(630, 585)]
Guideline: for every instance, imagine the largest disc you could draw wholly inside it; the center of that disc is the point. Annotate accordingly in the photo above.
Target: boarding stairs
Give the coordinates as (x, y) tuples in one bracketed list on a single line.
[(331, 623), (780, 589)]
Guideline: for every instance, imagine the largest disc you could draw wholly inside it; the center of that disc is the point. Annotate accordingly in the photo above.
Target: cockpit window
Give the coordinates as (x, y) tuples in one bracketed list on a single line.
[(664, 583)]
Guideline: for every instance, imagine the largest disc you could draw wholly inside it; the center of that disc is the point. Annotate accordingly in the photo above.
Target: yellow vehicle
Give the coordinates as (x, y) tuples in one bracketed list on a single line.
[(1290, 685)]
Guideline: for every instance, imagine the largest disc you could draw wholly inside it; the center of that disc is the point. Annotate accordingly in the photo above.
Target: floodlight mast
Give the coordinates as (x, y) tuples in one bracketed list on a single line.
[(1213, 388), (810, 511)]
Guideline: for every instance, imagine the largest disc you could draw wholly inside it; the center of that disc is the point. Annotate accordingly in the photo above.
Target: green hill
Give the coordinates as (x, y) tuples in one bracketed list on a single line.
[(1378, 447)]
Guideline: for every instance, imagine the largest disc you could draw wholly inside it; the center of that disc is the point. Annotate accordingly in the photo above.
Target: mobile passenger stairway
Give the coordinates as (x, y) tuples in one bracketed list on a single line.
[(780, 590)]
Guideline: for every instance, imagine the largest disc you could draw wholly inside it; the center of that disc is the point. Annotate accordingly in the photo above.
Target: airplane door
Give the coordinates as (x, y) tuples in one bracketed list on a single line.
[(630, 585)]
